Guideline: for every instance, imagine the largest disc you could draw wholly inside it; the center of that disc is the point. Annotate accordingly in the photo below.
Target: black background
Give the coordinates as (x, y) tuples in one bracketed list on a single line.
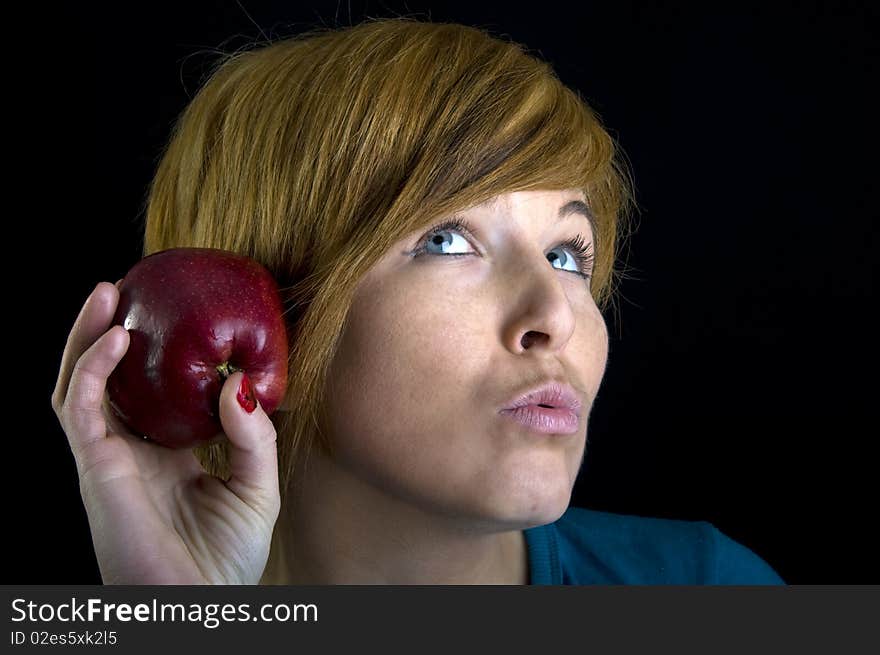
[(741, 359)]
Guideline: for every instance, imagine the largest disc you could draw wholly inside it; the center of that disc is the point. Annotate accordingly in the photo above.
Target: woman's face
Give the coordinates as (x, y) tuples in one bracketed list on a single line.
[(436, 345)]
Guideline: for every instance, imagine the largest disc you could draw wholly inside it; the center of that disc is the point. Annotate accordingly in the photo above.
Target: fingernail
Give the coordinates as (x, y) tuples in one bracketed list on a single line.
[(245, 395)]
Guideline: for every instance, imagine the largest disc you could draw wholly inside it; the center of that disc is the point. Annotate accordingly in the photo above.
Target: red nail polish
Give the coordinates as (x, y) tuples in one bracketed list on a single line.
[(245, 395)]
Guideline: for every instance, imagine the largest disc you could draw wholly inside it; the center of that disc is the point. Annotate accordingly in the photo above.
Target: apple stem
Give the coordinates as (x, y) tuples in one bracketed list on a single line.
[(226, 369)]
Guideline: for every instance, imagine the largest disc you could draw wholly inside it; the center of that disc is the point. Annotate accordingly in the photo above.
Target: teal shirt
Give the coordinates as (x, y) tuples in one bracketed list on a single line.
[(591, 547)]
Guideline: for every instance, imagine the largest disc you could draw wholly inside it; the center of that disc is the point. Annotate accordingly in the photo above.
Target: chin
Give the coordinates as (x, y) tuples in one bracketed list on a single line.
[(526, 507), (548, 512)]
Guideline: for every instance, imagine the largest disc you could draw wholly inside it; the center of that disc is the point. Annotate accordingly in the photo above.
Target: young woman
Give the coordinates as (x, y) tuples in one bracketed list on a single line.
[(443, 216)]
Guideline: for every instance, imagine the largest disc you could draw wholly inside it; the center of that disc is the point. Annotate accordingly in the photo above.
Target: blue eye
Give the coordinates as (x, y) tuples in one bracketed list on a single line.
[(441, 237)]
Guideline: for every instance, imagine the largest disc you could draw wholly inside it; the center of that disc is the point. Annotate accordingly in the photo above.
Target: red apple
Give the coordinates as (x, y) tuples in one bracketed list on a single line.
[(195, 316)]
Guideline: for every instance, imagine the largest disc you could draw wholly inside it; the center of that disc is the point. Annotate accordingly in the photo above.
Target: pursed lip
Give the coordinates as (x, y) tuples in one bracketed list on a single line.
[(554, 393)]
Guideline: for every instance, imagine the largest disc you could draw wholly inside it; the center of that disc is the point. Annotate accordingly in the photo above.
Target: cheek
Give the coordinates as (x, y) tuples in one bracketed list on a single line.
[(405, 363), (595, 351), (404, 416)]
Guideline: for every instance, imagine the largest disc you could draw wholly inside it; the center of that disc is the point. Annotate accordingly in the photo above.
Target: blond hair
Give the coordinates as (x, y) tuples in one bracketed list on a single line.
[(298, 152)]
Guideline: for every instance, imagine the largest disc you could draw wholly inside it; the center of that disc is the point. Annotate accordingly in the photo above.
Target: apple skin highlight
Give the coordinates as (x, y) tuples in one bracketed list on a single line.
[(195, 316)]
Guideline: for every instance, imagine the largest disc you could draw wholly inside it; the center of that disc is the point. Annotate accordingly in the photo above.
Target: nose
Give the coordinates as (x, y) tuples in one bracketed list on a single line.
[(541, 313)]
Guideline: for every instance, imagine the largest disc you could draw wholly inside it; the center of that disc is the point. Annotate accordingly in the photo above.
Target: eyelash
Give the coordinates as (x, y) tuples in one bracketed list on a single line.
[(583, 252)]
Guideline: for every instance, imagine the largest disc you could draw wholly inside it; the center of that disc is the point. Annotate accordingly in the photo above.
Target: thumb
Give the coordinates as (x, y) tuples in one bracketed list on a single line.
[(253, 459)]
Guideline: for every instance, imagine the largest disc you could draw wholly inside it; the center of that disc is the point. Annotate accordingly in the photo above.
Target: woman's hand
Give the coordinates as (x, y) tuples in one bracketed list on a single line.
[(155, 515)]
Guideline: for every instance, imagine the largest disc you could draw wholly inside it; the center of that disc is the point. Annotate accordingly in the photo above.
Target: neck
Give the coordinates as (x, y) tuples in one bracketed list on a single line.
[(337, 529)]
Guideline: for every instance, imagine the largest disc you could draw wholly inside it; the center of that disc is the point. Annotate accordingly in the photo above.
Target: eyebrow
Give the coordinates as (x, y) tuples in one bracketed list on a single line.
[(579, 207), (571, 207)]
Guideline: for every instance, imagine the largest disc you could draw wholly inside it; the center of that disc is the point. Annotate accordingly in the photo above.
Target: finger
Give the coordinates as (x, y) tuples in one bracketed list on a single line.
[(253, 453), (93, 320), (82, 412)]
